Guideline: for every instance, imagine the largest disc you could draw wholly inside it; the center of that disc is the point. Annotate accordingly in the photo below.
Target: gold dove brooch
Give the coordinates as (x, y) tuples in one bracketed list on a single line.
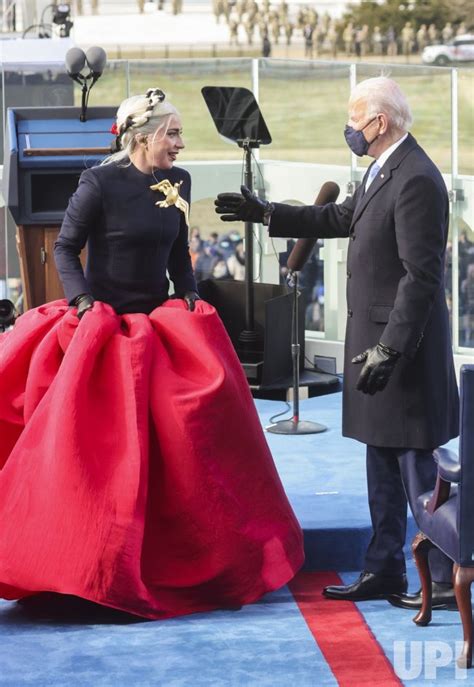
[(172, 197)]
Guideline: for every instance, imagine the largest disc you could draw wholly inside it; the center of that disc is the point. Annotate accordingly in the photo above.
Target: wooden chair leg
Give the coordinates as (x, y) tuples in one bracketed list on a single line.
[(420, 547), (463, 577)]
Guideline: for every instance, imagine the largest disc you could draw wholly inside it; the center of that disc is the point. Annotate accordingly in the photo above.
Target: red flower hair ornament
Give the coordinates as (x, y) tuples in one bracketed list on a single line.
[(114, 129)]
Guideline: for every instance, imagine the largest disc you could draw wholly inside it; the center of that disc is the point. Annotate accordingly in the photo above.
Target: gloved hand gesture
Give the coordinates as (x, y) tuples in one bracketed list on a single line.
[(379, 362), (84, 302), (244, 206), (190, 298)]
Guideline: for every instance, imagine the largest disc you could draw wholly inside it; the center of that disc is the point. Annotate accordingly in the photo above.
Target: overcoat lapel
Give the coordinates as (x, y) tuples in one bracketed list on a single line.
[(383, 176)]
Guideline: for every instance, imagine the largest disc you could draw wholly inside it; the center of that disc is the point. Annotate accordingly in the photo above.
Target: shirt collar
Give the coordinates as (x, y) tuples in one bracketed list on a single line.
[(386, 154)]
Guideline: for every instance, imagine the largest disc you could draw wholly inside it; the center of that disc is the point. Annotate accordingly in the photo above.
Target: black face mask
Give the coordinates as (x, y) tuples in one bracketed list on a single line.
[(356, 140)]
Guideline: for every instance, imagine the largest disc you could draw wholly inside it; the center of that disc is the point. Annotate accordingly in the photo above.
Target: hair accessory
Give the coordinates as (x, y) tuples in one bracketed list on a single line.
[(155, 93), (116, 144), (154, 96)]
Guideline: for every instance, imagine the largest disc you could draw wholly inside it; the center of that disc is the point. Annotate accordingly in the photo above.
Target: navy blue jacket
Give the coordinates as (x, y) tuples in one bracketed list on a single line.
[(131, 242), (395, 294)]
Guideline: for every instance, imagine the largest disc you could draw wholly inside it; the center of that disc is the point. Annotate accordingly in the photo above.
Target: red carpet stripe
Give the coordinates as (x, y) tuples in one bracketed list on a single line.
[(348, 645)]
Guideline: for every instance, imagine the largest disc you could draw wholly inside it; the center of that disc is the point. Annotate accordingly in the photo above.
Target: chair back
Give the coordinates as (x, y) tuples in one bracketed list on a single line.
[(466, 458)]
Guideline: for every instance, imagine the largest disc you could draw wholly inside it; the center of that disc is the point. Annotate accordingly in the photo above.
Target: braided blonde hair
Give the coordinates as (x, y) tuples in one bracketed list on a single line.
[(137, 117)]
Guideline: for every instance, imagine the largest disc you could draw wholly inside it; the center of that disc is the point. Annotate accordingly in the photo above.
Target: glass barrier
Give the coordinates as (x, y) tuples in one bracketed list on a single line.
[(463, 276), (182, 81), (465, 103), (216, 249), (428, 92), (304, 106)]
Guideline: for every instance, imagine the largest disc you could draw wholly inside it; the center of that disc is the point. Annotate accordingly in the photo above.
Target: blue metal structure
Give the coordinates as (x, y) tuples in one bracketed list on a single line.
[(46, 150)]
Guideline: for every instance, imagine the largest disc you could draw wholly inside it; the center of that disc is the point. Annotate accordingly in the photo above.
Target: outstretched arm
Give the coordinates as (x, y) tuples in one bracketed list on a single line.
[(321, 221)]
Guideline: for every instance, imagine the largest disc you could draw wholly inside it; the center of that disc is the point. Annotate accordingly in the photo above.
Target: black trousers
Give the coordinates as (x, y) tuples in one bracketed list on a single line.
[(395, 477)]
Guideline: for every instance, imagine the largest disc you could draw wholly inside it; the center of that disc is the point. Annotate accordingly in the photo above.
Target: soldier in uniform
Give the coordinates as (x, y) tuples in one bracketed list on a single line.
[(348, 38), (447, 32), (288, 28), (377, 41), (408, 39), (308, 41), (421, 38), (332, 37), (433, 34), (392, 48)]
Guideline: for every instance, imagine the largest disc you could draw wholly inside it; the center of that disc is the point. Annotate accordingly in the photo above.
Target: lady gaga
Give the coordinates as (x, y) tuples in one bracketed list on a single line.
[(134, 471)]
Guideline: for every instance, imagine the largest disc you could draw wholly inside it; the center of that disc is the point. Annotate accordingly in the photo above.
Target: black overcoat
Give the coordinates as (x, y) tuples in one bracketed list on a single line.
[(395, 294)]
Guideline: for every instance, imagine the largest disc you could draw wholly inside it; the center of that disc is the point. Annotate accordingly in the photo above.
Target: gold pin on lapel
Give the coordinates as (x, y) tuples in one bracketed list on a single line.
[(382, 176), (172, 197)]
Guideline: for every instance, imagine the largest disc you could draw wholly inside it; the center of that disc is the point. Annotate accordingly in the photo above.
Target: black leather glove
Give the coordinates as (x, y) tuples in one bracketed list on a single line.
[(244, 207), (84, 302), (379, 362), (190, 298)]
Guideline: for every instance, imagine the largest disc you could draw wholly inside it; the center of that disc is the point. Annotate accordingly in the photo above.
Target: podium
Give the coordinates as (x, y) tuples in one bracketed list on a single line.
[(46, 149)]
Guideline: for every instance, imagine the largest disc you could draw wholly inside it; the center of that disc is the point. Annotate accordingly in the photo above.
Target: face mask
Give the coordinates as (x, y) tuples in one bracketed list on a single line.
[(356, 140)]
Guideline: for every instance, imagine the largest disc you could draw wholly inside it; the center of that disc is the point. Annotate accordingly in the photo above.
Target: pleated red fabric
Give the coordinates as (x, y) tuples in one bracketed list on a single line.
[(134, 470)]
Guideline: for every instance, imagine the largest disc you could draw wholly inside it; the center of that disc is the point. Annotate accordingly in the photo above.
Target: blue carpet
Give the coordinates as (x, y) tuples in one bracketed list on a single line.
[(421, 655), (265, 644)]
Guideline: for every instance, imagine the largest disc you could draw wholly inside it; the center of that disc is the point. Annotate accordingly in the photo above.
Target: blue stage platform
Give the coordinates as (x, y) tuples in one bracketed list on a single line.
[(324, 478), (265, 644)]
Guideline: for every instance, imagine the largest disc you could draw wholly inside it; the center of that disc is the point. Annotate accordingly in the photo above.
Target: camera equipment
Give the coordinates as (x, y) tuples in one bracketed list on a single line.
[(7, 314), (62, 23)]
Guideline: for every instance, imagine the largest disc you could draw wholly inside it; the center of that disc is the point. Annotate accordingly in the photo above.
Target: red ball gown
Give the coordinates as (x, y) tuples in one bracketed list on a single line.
[(134, 470)]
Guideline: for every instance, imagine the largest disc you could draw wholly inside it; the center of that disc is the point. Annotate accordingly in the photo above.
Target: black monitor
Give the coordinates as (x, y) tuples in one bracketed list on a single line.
[(236, 114)]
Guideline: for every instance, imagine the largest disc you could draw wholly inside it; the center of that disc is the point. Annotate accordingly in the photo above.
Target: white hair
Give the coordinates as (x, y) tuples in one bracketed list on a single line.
[(137, 117), (382, 94)]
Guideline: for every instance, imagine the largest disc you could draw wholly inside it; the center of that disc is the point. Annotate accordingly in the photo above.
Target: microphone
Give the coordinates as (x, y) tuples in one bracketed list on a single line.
[(75, 60), (302, 249), (96, 58)]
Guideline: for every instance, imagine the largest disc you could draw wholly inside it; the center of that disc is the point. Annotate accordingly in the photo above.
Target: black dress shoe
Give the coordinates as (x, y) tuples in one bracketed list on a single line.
[(368, 586), (442, 598)]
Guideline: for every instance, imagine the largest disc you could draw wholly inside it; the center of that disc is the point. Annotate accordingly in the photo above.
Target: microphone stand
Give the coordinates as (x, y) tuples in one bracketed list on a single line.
[(82, 116), (237, 118), (295, 425)]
